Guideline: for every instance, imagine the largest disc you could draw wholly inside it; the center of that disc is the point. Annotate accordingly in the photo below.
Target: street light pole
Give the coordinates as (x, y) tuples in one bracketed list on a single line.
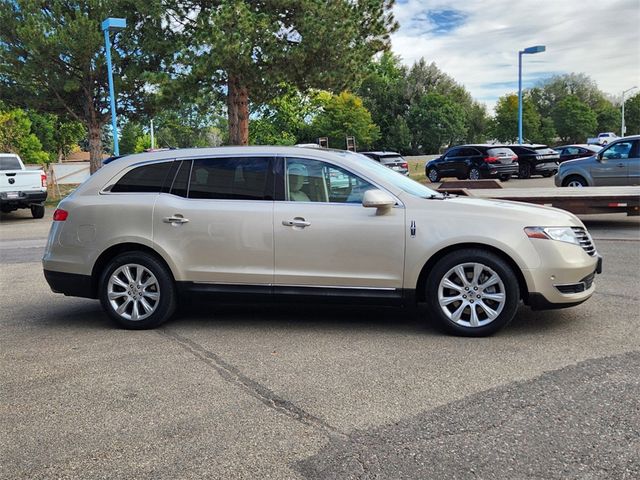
[(528, 51), (108, 25), (623, 129)]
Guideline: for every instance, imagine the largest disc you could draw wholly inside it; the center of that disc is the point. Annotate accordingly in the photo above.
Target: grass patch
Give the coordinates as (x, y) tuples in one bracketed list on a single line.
[(57, 193)]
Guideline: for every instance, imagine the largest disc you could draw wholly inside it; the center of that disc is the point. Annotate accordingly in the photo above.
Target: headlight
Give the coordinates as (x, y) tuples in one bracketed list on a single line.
[(562, 234)]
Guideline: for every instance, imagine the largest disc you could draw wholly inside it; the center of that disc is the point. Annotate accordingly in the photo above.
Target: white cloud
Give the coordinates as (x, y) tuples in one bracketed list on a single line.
[(595, 37)]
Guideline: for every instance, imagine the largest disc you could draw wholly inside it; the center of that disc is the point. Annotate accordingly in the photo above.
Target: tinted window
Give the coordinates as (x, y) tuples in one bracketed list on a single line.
[(181, 180), (469, 152), (9, 163), (242, 178), (316, 181), (454, 152), (500, 152), (147, 178)]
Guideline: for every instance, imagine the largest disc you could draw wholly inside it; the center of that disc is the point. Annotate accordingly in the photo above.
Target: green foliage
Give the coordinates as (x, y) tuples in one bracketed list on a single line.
[(129, 135), (247, 46), (58, 137), (609, 118), (574, 120), (344, 115), (16, 137), (52, 57), (632, 115), (436, 121), (555, 89), (505, 122)]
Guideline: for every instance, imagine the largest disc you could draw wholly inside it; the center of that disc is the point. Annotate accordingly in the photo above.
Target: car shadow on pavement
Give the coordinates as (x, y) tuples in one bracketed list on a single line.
[(300, 317)]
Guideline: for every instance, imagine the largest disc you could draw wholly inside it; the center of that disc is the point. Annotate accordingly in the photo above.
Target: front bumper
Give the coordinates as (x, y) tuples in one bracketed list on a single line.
[(565, 276)]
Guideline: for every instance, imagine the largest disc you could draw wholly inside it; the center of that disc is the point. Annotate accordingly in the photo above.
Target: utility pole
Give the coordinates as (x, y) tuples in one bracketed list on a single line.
[(624, 127), (152, 142)]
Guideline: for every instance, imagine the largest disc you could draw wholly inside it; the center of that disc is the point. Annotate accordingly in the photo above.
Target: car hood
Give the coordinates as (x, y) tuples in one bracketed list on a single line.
[(502, 211), (578, 161)]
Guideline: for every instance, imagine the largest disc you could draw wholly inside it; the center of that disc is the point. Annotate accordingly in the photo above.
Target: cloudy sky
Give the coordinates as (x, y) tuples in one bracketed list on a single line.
[(476, 41)]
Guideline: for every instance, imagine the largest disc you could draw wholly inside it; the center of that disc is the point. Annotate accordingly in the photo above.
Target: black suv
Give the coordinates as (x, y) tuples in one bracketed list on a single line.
[(392, 160), (536, 160), (474, 162)]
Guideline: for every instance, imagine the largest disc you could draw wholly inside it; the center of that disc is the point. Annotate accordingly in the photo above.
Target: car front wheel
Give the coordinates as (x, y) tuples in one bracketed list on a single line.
[(433, 175), (137, 291), (472, 293), (575, 181)]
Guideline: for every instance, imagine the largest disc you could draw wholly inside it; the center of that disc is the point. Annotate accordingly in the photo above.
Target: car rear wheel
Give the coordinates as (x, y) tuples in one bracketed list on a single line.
[(137, 291), (472, 293), (505, 178), (548, 174), (433, 175), (524, 170), (474, 174), (37, 211), (575, 181)]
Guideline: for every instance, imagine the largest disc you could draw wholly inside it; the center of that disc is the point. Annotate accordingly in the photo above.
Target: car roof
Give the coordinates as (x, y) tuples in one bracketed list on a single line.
[(381, 153)]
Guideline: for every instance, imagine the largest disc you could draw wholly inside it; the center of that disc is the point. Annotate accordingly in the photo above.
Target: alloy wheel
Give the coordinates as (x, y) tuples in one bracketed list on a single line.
[(133, 292), (471, 295)]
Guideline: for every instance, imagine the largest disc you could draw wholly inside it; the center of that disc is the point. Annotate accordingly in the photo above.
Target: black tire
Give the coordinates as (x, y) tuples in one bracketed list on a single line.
[(433, 175), (474, 174), (577, 179), (491, 264), (548, 174), (505, 178), (37, 211), (166, 303), (524, 170)]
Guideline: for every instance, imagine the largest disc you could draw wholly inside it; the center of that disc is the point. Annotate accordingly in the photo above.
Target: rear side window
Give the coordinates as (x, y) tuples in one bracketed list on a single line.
[(9, 163), (181, 181), (242, 178), (144, 179)]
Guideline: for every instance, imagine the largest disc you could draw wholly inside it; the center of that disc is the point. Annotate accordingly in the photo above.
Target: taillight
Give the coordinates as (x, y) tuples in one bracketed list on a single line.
[(43, 179), (60, 215), (514, 158), (491, 159), (405, 165)]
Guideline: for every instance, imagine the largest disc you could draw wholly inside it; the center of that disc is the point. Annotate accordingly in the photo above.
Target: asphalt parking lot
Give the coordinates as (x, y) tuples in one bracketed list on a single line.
[(295, 392)]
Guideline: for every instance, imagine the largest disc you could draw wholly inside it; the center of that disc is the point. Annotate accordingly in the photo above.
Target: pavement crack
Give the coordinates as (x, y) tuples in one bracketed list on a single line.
[(233, 375)]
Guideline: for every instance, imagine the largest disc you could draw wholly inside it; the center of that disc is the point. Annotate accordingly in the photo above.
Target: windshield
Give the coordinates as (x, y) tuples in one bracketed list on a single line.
[(9, 163), (396, 179)]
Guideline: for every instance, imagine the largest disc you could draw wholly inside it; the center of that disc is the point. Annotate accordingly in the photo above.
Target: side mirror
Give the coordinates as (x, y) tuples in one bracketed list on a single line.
[(378, 199), (600, 158)]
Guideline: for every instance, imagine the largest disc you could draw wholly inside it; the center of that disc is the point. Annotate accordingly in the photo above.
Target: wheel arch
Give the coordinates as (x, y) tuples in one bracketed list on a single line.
[(106, 256), (427, 267)]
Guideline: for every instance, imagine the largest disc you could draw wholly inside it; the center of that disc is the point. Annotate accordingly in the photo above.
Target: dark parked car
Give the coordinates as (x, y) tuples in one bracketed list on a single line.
[(571, 152), (392, 160), (474, 162), (536, 160)]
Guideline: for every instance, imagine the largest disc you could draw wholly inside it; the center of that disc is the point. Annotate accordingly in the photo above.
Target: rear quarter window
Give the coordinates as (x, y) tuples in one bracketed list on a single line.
[(143, 179)]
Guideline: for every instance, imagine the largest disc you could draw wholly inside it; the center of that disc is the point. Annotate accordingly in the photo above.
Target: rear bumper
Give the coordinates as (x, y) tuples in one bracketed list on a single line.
[(70, 284), (23, 198), (495, 170)]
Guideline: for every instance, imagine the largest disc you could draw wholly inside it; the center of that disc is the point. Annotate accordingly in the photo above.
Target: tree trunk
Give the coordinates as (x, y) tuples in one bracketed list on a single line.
[(95, 146), (238, 108)]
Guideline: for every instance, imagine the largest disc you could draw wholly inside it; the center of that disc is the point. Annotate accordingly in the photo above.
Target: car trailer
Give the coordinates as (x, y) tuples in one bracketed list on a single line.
[(580, 201)]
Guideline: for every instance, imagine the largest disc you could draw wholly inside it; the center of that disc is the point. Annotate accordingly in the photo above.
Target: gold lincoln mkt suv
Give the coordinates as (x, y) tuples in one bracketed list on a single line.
[(149, 230)]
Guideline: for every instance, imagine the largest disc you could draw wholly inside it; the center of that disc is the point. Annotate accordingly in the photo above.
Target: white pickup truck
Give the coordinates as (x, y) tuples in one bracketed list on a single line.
[(21, 188), (602, 139)]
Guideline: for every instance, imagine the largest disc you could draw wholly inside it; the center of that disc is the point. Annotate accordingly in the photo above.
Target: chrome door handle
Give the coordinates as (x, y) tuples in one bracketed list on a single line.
[(175, 220), (296, 222)]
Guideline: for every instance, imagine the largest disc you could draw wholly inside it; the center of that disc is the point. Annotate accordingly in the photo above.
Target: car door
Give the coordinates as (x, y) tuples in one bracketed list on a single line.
[(215, 222), (633, 172), (448, 166), (323, 235), (612, 166)]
